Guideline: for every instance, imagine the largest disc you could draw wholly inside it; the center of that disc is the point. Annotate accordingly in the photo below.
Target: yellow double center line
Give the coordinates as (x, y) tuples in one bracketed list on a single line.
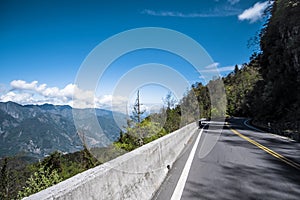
[(266, 149)]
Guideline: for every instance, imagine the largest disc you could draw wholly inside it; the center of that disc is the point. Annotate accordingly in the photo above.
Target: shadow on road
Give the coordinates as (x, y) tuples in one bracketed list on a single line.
[(237, 169), (248, 182)]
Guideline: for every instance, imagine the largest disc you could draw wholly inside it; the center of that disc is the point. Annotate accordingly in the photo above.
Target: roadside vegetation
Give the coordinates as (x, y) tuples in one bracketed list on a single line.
[(20, 178)]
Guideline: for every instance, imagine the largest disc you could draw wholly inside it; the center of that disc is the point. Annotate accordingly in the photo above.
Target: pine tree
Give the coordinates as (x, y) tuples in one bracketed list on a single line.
[(4, 180), (137, 112)]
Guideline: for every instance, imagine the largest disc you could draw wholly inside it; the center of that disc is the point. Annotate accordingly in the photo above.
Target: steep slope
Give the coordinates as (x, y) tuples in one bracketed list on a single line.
[(279, 96)]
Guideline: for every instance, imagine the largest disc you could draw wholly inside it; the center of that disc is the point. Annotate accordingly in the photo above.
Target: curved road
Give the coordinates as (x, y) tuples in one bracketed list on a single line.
[(245, 163)]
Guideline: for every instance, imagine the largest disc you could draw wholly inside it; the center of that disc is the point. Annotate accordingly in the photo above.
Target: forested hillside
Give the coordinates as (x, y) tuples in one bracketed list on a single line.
[(277, 95), (268, 87)]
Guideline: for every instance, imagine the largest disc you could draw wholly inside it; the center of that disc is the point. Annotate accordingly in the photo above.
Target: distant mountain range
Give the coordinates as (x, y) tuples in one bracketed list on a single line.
[(38, 130)]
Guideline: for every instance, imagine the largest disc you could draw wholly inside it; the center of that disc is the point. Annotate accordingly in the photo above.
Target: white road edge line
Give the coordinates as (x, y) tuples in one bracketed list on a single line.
[(252, 127), (185, 172), (278, 136)]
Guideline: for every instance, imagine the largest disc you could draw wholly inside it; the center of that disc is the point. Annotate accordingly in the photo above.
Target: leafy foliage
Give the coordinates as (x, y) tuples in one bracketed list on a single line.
[(159, 124), (203, 98), (238, 85), (19, 178), (41, 179), (13, 174), (173, 118), (136, 136)]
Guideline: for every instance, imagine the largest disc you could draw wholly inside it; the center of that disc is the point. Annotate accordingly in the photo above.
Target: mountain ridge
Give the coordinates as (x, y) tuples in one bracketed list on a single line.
[(38, 130)]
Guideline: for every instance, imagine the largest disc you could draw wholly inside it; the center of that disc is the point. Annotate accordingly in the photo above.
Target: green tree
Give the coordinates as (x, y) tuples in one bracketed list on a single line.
[(203, 99), (53, 162), (173, 119), (137, 110), (236, 69), (40, 180), (217, 98), (147, 131), (169, 100), (239, 85), (4, 189), (13, 173)]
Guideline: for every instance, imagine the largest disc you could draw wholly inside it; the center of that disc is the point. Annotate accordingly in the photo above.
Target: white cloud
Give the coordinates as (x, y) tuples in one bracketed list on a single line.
[(24, 93), (42, 89), (216, 12), (254, 13), (50, 92), (220, 69), (16, 97), (226, 69), (172, 14), (115, 103), (23, 85), (214, 65), (232, 2)]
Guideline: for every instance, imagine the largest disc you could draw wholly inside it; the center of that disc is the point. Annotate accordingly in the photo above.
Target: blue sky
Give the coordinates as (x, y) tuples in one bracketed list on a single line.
[(43, 43)]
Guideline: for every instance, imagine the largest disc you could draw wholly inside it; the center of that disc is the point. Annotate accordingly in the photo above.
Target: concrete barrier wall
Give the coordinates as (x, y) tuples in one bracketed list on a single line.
[(135, 175)]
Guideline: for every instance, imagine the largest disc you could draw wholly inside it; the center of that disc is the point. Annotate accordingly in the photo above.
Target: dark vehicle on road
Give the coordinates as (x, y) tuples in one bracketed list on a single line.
[(202, 122)]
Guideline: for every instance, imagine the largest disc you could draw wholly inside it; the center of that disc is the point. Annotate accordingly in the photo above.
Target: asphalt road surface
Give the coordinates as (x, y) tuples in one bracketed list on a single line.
[(239, 162)]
